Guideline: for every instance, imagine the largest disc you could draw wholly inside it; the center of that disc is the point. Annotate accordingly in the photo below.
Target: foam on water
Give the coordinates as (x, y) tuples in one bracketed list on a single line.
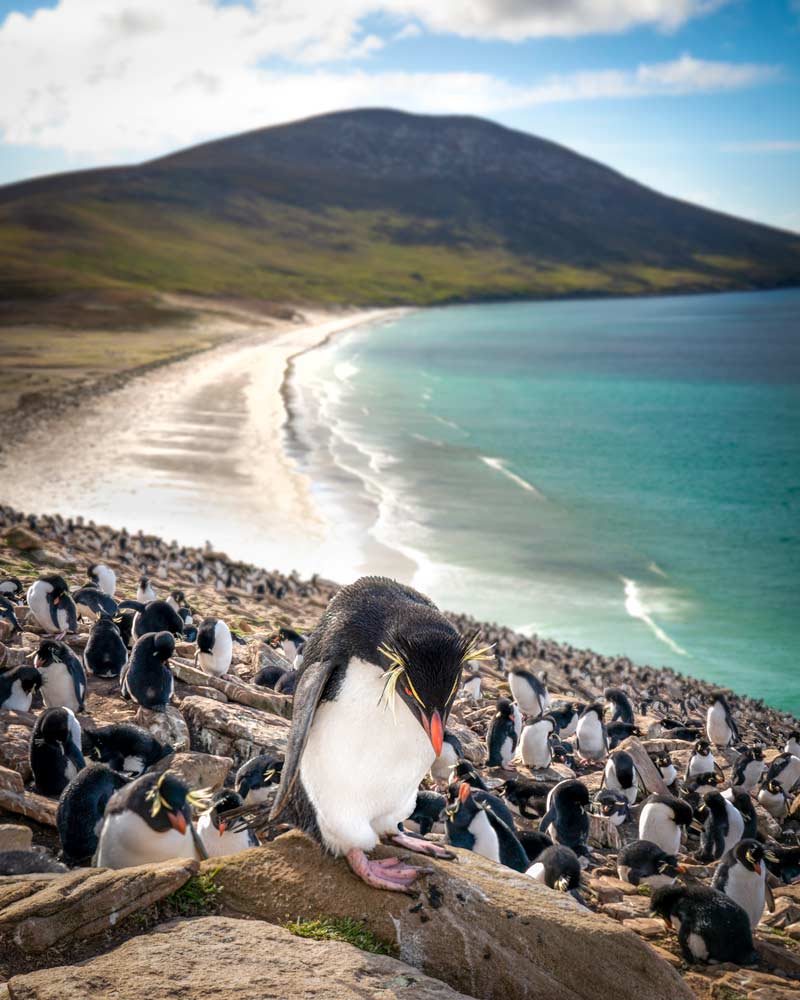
[(636, 608), (500, 466)]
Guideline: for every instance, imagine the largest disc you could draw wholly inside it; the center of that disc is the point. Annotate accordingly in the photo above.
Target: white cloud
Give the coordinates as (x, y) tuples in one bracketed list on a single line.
[(139, 77), (767, 146)]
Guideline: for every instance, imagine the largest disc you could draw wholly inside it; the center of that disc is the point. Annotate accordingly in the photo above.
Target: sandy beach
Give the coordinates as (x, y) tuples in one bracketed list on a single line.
[(192, 442)]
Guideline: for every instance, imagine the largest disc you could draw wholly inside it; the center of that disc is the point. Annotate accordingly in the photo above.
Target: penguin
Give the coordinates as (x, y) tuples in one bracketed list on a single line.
[(149, 820), (517, 720), (464, 771), (286, 683), (268, 676), (157, 616), (567, 818), (474, 827), (612, 806), (51, 604), (619, 731), (189, 628), (147, 678), (711, 927), (528, 692), (742, 876), (563, 753), (720, 727), (486, 799), (661, 819), (124, 622), (214, 646), (557, 867), (126, 748), (105, 654), (566, 715), (620, 775), (534, 747), (8, 613), (723, 826), (80, 811), (644, 863), (501, 740), (784, 862), (747, 770), (785, 769), (665, 767), (145, 593), (222, 836), (701, 761), (374, 691), (93, 602), (290, 642), (176, 600), (533, 843), (449, 756), (17, 687), (744, 804), (257, 779), (63, 676), (774, 799), (11, 588), (792, 744), (103, 577), (529, 797), (590, 735), (623, 710), (697, 787), (55, 750), (427, 815)]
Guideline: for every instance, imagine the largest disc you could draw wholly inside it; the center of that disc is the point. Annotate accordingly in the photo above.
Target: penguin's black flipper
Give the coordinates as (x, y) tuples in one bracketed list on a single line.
[(307, 694), (133, 605), (770, 897)]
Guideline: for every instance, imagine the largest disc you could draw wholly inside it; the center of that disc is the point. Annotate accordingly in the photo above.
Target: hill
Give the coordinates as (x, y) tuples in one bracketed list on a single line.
[(369, 207)]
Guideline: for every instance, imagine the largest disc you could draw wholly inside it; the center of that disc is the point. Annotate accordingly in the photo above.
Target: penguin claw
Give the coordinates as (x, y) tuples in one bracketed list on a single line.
[(420, 846), (385, 873)]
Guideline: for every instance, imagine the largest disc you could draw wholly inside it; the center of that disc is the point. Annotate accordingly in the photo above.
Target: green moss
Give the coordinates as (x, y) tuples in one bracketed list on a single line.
[(346, 929), (196, 897)]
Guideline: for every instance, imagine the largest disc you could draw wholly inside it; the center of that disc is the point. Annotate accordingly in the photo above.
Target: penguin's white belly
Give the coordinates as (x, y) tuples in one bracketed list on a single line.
[(656, 881), (700, 765), (211, 665), (534, 748), (37, 602), (473, 688), (444, 763), (486, 843), (524, 695), (133, 765), (735, 826), (506, 750), (790, 775), (747, 889), (669, 774), (656, 825), (536, 872), (361, 768), (126, 840), (18, 700), (697, 946), (719, 732), (58, 689), (227, 843), (590, 738), (752, 773), (570, 729), (70, 771), (257, 795)]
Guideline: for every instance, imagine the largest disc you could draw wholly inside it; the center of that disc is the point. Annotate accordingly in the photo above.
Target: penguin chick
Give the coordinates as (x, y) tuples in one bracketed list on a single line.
[(742, 875), (474, 827), (105, 654), (536, 740), (501, 739), (720, 727), (17, 687), (80, 811), (257, 779), (103, 577), (533, 842), (214, 646), (620, 775), (530, 797), (63, 676), (644, 863), (619, 731), (528, 692), (269, 676), (55, 750), (567, 818), (147, 678), (51, 604), (149, 820), (126, 748), (590, 736), (623, 710), (661, 820), (710, 926), (219, 835)]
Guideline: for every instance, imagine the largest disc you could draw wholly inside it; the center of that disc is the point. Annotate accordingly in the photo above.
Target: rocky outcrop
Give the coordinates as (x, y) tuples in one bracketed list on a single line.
[(486, 930), (233, 730), (168, 727), (198, 770), (231, 959)]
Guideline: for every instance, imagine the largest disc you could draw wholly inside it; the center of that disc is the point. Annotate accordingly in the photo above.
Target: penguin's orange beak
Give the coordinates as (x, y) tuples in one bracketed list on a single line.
[(223, 826), (177, 821), (464, 791), (435, 730), (757, 867)]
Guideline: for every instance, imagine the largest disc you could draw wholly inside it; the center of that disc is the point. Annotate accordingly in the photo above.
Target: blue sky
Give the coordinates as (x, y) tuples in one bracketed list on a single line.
[(697, 98)]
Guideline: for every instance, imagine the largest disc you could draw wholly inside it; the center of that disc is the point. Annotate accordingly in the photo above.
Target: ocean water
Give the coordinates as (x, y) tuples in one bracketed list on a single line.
[(621, 474)]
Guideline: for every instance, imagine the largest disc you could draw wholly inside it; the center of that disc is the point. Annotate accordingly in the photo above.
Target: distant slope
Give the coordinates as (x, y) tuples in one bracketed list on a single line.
[(371, 206)]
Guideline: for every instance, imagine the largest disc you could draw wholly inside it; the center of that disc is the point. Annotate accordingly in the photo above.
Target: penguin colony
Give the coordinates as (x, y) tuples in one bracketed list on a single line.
[(526, 752)]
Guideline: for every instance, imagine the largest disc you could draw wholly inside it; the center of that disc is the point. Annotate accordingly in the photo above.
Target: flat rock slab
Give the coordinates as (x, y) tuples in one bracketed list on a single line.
[(198, 770), (482, 928), (220, 958), (236, 731)]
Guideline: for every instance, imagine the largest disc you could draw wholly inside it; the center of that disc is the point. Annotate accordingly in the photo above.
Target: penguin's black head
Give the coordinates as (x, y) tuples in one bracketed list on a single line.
[(179, 597), (667, 864), (143, 582), (505, 710), (224, 801), (464, 771), (751, 854), (51, 651), (461, 807), (662, 760), (664, 900), (703, 747), (598, 708), (610, 803), (59, 585), (757, 751), (424, 670), (572, 793), (29, 678), (774, 787), (53, 726), (169, 803), (163, 646)]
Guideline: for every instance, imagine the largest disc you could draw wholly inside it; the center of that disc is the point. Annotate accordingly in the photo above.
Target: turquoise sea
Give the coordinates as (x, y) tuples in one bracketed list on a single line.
[(620, 474)]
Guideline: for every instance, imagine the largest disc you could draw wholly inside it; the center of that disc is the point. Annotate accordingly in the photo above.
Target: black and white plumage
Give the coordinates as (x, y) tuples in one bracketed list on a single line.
[(661, 821), (484, 798), (147, 677), (126, 748), (214, 646), (105, 654), (220, 835), (8, 613), (534, 843), (612, 806), (529, 692), (63, 676), (744, 804), (145, 592), (792, 744), (11, 588), (567, 818), (501, 739), (17, 687), (448, 758), (616, 732), (747, 770), (785, 770), (590, 736), (644, 863), (177, 600), (157, 616), (774, 799), (51, 604), (566, 715), (472, 687), (723, 826), (784, 862), (472, 825), (80, 811), (257, 779), (557, 867), (623, 710), (701, 761), (290, 642), (529, 797), (742, 876), (620, 775), (55, 750), (720, 726), (92, 602), (373, 694), (428, 814), (464, 771), (103, 577), (710, 926), (667, 770), (535, 745)]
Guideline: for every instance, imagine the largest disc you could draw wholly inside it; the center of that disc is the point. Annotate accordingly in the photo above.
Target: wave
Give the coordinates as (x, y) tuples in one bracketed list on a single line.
[(655, 568), (636, 608), (499, 465)]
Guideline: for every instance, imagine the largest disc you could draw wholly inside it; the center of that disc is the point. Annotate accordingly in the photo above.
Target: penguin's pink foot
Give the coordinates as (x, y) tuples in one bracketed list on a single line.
[(60, 636), (386, 873), (421, 846)]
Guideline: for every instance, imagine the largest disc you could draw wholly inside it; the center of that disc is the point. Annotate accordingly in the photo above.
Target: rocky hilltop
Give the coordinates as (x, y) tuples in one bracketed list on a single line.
[(284, 920)]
